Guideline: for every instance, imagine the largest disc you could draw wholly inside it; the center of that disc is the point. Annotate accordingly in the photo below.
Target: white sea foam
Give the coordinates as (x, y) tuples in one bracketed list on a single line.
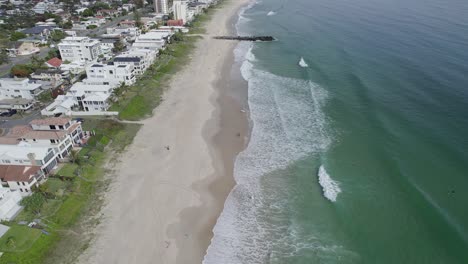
[(288, 125), (330, 188), (271, 13), (302, 63)]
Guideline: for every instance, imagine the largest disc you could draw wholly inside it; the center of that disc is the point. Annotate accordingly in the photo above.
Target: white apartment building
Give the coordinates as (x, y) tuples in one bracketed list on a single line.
[(80, 49), (161, 6), (141, 59), (19, 88), (129, 33), (92, 98), (109, 74), (23, 154), (180, 10), (154, 40)]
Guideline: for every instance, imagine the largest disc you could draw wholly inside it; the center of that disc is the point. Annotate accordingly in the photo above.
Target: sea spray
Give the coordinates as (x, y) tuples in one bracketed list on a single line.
[(302, 63), (330, 188)]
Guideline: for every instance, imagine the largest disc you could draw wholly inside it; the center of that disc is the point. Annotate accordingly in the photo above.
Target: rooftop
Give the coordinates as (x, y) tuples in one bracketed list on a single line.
[(57, 121), (18, 173), (55, 62)]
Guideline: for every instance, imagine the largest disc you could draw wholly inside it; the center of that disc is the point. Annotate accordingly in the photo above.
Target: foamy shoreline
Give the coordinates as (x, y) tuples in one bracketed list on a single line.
[(164, 203)]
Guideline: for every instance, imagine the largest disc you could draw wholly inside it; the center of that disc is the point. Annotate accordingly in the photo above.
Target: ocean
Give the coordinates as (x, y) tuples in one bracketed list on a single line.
[(358, 150)]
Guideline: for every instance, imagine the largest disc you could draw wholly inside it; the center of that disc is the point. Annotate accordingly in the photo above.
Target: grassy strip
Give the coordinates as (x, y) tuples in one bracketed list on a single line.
[(69, 216), (137, 102)]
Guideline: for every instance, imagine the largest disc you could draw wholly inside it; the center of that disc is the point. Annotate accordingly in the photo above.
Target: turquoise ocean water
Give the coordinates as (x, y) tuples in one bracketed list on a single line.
[(359, 154)]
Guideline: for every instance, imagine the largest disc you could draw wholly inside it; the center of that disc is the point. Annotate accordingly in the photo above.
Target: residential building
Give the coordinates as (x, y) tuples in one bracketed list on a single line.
[(129, 33), (81, 49), (92, 98), (22, 48), (141, 59), (61, 125), (20, 178), (109, 74), (16, 103), (54, 63), (9, 203), (19, 88), (107, 12), (180, 10), (161, 6), (24, 154), (153, 40), (41, 31)]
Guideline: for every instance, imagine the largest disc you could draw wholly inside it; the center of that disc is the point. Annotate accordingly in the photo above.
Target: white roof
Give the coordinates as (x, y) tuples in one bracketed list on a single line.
[(97, 97), (21, 151), (79, 88)]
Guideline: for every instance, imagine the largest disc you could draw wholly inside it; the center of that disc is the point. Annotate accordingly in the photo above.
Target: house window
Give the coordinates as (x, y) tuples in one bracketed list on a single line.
[(24, 184), (18, 183), (52, 127), (61, 127), (26, 190), (52, 141), (34, 139), (111, 72), (21, 190)]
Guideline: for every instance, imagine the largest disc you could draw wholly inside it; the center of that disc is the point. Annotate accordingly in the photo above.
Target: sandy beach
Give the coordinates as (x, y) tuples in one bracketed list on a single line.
[(163, 203)]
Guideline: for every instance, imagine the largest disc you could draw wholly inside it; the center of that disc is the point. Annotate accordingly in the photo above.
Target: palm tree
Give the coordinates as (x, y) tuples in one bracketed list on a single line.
[(74, 157)]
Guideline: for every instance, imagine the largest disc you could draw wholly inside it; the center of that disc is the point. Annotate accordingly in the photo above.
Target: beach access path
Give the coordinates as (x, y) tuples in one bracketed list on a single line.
[(163, 201)]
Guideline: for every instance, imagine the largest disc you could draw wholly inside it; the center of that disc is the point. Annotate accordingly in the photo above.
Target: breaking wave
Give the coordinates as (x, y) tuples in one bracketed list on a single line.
[(288, 125), (330, 188)]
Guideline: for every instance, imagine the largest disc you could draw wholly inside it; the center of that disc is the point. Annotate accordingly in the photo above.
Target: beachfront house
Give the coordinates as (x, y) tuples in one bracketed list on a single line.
[(21, 178), (109, 74)]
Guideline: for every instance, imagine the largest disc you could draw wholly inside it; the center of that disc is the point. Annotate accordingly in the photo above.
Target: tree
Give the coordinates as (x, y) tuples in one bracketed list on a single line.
[(178, 36), (91, 27), (21, 70), (17, 35), (52, 54), (75, 157), (137, 18), (118, 46), (87, 12), (57, 35), (4, 58), (139, 3), (33, 203), (67, 25)]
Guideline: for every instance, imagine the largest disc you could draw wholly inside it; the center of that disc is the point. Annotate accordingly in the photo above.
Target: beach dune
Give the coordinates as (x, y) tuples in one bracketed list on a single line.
[(170, 185)]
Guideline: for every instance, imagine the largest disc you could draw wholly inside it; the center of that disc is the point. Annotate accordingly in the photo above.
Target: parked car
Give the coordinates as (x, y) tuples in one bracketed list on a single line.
[(9, 112)]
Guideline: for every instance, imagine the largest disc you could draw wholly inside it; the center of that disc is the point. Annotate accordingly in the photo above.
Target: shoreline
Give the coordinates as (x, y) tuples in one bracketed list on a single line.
[(165, 202)]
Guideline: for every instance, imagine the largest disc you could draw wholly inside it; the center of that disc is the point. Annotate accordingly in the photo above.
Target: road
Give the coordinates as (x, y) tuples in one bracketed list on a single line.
[(6, 122), (5, 68)]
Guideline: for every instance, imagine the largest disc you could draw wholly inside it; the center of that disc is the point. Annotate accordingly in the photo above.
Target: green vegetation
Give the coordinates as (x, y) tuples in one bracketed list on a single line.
[(91, 27), (68, 170), (33, 203), (57, 35), (17, 35), (87, 12), (19, 239), (69, 212)]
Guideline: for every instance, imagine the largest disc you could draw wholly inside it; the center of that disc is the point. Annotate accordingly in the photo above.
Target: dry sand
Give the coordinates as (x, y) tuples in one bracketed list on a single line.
[(163, 203)]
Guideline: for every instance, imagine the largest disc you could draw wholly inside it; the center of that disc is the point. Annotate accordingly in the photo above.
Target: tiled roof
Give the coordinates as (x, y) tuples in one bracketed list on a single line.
[(19, 131), (57, 121), (18, 173), (56, 62)]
